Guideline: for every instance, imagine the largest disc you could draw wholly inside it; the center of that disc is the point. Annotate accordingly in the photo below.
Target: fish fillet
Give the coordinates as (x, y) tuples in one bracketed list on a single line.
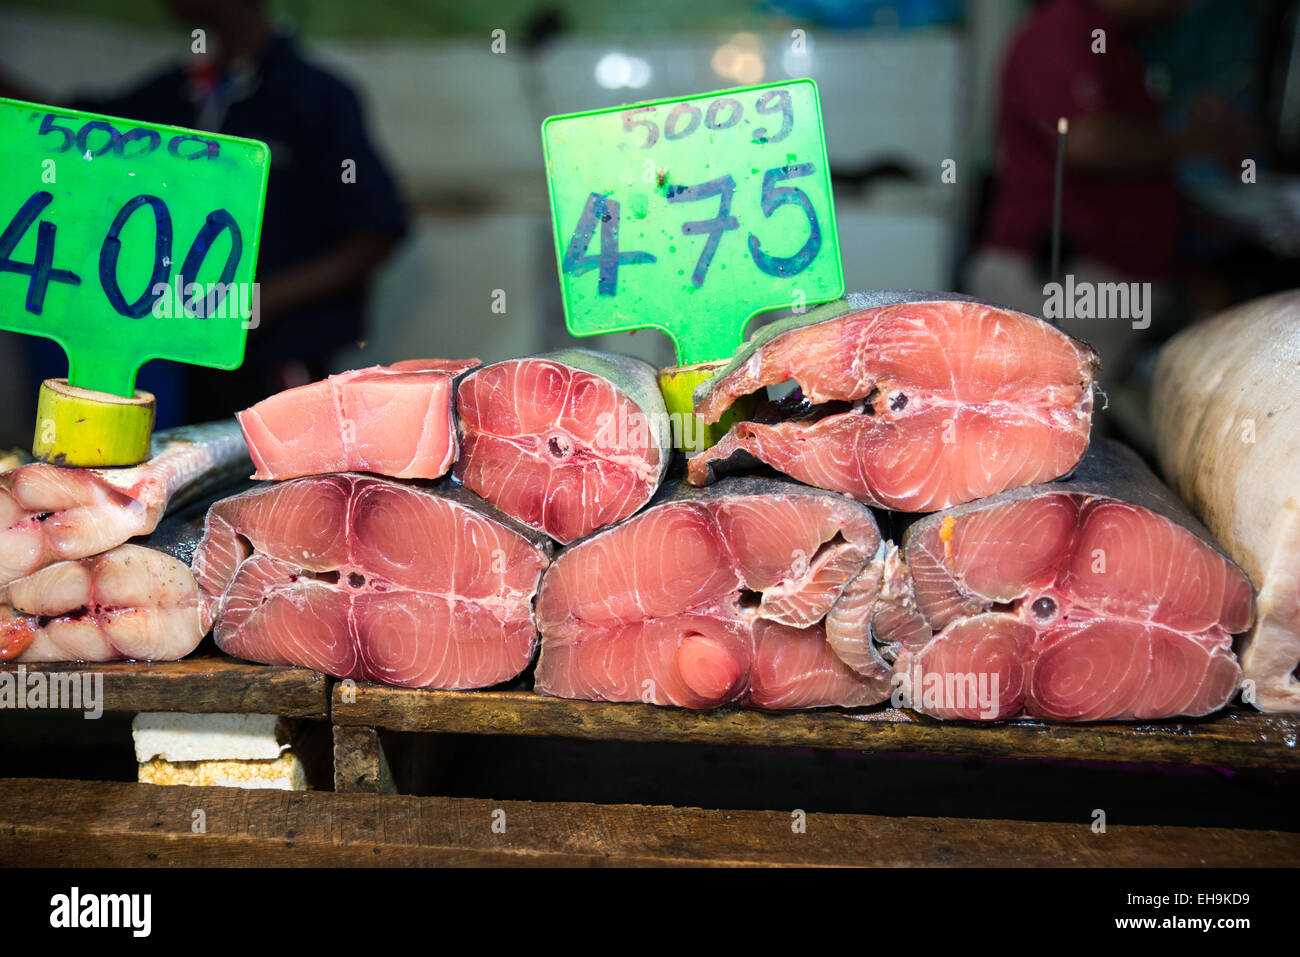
[(755, 591), (1226, 410), (391, 420), (567, 442), (1095, 598), (130, 602), (908, 401), (135, 601), (50, 513), (366, 578)]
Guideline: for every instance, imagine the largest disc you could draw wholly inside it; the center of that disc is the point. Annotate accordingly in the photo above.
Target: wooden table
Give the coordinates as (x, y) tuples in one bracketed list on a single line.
[(209, 684), (1236, 738), (60, 823), (81, 822)]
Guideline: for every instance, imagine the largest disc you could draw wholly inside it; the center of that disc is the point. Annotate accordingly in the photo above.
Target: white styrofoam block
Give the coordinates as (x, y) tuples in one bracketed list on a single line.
[(208, 737)]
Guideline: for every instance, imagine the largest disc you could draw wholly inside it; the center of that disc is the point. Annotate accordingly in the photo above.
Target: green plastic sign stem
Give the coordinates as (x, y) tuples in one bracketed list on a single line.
[(126, 241), (693, 215)]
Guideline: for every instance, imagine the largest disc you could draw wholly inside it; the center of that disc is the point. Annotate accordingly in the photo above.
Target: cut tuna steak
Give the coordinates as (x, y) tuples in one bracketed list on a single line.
[(909, 401), (361, 577), (741, 593), (567, 442), (50, 513), (391, 420), (1095, 598), (1226, 411)]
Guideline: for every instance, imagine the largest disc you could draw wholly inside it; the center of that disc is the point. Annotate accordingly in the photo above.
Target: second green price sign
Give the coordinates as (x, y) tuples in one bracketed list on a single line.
[(692, 215)]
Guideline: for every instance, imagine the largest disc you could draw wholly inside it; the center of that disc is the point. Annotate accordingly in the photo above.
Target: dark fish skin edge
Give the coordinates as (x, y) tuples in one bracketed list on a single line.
[(179, 534), (739, 461), (236, 464), (853, 302), (1108, 470), (637, 378)]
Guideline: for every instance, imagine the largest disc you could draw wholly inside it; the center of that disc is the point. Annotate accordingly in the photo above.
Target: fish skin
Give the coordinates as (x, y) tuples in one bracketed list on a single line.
[(51, 513), (282, 601), (635, 379), (684, 632), (1110, 489), (1226, 414), (198, 460), (857, 450)]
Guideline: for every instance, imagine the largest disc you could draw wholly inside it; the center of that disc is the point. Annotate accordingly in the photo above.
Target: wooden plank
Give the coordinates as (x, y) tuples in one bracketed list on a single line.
[(200, 685), (1238, 737), (360, 765), (57, 824)]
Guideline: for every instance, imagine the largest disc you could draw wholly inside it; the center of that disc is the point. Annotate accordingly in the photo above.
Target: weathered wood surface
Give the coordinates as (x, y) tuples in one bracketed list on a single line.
[(360, 765), (201, 685), (58, 823), (1237, 738)]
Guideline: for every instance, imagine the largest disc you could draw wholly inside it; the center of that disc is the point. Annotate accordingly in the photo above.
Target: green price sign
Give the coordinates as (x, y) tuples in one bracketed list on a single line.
[(693, 215), (126, 241)]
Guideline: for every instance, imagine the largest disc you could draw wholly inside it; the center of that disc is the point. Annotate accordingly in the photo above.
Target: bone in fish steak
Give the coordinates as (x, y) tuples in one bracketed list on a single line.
[(909, 401), (567, 442), (1095, 598), (361, 577)]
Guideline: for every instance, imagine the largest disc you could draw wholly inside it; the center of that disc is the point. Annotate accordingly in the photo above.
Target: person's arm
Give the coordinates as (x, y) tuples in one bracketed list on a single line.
[(1113, 144), (348, 262), (1046, 78)]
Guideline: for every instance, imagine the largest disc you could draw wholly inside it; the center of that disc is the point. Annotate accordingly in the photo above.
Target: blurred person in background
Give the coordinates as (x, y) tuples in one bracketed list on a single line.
[(323, 238), (1120, 213)]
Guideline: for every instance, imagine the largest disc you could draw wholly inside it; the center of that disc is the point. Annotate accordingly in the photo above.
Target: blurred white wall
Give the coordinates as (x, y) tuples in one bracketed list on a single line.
[(459, 125)]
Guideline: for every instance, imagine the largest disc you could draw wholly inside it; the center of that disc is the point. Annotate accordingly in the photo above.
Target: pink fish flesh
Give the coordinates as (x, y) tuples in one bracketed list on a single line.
[(908, 401), (50, 513), (567, 442), (391, 420), (755, 591), (1096, 598), (129, 602), (367, 578)]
